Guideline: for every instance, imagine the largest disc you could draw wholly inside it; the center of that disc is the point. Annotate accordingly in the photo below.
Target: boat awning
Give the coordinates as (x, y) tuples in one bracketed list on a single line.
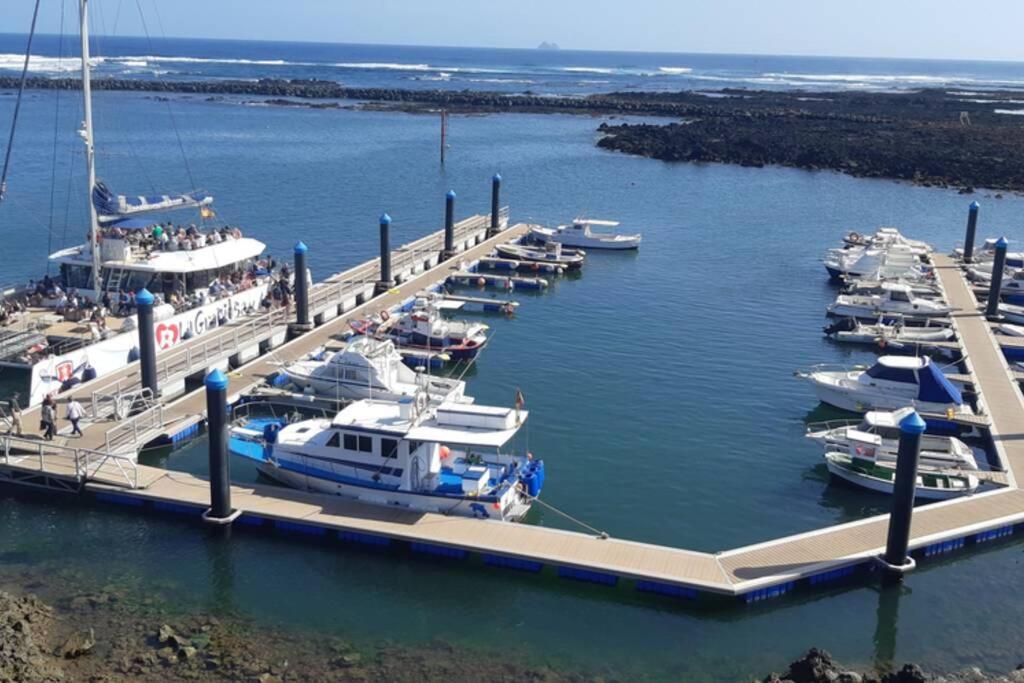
[(116, 207), (488, 438), (133, 223), (934, 387)]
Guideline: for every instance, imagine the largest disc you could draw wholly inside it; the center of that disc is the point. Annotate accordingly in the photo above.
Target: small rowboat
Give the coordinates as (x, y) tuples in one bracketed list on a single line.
[(869, 474), (551, 253)]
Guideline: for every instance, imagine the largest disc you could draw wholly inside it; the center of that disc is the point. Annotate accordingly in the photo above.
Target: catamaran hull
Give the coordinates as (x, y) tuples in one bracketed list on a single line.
[(444, 505)]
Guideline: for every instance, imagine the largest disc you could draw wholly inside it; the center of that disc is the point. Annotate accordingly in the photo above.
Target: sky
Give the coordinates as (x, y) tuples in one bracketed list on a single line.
[(936, 29)]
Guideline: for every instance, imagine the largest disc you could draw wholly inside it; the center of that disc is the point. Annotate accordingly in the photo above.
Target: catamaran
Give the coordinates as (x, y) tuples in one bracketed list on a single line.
[(204, 276), (450, 459)]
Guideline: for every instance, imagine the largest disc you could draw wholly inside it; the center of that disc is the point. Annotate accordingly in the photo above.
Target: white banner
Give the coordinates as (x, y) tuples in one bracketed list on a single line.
[(109, 355)]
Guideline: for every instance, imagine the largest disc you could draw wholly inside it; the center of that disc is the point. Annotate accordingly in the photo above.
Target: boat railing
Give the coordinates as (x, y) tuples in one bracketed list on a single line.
[(829, 425), (832, 367), (80, 464), (118, 404)]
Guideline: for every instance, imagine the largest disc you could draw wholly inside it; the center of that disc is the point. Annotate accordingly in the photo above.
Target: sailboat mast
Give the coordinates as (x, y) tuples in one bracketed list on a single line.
[(90, 158)]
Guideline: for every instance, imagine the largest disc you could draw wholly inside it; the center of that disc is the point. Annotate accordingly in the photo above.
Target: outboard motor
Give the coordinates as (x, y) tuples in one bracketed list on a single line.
[(844, 325)]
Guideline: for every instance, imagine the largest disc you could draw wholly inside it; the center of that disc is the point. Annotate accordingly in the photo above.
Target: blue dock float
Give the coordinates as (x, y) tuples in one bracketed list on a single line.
[(666, 589), (364, 539), (512, 563), (588, 575), (438, 550)]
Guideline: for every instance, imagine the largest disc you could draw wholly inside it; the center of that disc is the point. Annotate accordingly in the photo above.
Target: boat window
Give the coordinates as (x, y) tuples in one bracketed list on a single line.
[(389, 448), (414, 446), (900, 296), (335, 440), (76, 277), (892, 374), (351, 442), (137, 280), (366, 444)]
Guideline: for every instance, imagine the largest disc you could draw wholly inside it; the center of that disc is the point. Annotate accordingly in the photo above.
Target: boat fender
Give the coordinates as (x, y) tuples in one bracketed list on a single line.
[(445, 452)]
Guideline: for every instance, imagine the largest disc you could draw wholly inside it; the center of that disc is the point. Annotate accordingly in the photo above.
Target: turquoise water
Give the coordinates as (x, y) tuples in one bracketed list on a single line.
[(660, 385)]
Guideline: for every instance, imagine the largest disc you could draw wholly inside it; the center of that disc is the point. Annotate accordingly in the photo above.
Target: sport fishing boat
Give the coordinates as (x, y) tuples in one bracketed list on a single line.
[(203, 274), (878, 434), (423, 327), (893, 382), (369, 368), (870, 286), (887, 237), (894, 300), (450, 459), (551, 253), (579, 234), (889, 262), (869, 473), (880, 333)]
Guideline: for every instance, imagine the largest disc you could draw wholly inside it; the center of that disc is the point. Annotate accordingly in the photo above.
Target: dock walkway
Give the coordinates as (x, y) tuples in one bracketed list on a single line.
[(752, 572)]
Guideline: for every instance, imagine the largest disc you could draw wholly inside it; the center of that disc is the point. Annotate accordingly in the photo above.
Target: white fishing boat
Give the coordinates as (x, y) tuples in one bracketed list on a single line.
[(450, 459), (579, 234), (1012, 313), (894, 300), (1011, 330), (866, 286), (202, 273), (369, 368), (868, 473), (890, 262), (882, 334), (887, 237), (878, 434), (893, 382)]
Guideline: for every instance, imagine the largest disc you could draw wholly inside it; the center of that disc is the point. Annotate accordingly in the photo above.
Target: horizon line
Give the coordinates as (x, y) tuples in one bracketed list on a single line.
[(539, 49)]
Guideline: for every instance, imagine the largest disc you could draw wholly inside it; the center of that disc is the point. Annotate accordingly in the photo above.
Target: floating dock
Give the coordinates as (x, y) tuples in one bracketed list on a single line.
[(751, 573)]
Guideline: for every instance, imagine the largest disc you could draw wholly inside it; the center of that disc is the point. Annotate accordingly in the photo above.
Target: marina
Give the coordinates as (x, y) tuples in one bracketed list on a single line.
[(767, 569)]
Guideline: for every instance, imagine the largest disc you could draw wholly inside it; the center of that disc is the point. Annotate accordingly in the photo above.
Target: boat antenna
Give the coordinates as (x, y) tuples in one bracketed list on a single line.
[(90, 158), (17, 103)]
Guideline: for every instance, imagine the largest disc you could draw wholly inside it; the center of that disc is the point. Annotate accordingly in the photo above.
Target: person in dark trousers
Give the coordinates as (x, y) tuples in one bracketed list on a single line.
[(48, 419), (75, 413)]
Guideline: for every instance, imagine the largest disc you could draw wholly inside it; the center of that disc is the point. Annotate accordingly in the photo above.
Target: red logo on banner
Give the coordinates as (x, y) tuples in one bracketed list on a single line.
[(65, 371), (166, 335)]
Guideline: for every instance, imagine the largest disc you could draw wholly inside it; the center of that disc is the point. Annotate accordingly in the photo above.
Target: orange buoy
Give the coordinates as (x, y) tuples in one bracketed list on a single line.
[(445, 452)]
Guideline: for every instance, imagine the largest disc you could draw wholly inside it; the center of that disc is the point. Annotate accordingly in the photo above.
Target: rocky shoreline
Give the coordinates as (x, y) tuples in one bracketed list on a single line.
[(817, 666), (106, 635), (928, 137)]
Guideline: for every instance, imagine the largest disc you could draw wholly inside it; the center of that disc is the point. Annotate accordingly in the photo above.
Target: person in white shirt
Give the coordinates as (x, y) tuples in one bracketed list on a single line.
[(75, 413)]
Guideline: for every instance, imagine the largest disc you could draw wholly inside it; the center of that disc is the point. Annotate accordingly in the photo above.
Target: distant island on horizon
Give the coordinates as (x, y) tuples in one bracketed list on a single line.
[(548, 46)]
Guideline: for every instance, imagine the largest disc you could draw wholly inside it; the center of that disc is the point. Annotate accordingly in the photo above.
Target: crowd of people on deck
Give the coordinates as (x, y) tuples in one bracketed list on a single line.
[(170, 237)]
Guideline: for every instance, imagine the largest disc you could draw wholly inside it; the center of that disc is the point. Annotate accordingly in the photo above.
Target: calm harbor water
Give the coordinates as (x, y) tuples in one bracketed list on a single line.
[(660, 384)]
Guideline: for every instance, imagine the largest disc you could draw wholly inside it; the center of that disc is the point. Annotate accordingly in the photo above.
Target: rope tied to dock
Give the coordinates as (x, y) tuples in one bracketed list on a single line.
[(603, 535)]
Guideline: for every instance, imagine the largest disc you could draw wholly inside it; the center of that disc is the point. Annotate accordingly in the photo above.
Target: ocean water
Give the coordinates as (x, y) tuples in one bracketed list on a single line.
[(559, 72), (660, 383)]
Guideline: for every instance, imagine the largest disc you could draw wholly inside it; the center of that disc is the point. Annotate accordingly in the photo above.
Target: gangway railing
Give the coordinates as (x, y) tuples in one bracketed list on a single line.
[(67, 462), (130, 434)]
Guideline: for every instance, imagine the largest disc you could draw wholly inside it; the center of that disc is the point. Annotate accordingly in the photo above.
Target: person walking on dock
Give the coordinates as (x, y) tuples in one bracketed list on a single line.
[(75, 413), (48, 419)]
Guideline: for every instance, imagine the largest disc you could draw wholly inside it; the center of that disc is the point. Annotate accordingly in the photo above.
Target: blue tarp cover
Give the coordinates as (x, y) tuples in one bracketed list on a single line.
[(935, 388)]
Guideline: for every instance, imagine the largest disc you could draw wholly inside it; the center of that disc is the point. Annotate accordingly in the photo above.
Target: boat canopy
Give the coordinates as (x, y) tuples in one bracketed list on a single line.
[(113, 208), (932, 385)]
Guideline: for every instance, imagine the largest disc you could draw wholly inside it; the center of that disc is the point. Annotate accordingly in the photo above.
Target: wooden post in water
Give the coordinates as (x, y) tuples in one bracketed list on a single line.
[(444, 133), (972, 226), (996, 286), (896, 560)]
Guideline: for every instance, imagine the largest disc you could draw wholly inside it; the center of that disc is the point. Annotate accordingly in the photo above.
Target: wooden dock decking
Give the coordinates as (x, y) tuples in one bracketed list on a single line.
[(772, 566)]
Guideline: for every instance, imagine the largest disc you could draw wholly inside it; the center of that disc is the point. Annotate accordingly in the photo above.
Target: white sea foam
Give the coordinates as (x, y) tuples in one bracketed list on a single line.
[(588, 70), (38, 64), (1014, 112), (132, 59), (675, 70)]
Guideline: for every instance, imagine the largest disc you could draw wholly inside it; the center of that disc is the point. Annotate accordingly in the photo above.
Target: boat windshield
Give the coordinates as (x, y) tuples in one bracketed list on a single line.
[(892, 374)]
